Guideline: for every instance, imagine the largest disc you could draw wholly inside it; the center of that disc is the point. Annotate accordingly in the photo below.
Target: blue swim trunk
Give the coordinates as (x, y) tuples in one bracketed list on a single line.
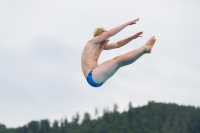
[(91, 82)]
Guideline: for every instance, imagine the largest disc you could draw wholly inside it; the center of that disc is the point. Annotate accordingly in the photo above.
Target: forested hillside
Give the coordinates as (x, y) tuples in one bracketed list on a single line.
[(151, 118)]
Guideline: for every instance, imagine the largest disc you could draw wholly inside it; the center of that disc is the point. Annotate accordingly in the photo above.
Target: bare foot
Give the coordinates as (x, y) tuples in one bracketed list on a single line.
[(149, 44)]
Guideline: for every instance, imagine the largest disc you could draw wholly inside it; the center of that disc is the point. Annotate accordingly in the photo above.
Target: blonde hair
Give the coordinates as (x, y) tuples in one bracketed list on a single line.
[(98, 31)]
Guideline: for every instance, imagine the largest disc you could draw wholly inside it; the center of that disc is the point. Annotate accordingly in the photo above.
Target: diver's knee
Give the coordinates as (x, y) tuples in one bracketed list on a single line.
[(118, 60)]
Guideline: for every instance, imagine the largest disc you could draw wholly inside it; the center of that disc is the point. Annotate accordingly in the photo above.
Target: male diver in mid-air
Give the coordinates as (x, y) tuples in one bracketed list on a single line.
[(97, 75)]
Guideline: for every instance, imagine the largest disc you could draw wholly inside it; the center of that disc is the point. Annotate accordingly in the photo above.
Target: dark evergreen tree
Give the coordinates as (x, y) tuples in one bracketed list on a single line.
[(45, 126), (33, 127), (55, 127), (151, 118)]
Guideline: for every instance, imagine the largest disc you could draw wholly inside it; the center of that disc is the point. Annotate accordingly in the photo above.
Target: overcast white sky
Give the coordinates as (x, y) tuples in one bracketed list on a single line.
[(40, 48)]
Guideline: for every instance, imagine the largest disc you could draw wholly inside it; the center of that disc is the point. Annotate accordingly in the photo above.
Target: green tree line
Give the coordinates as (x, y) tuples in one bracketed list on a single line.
[(151, 118)]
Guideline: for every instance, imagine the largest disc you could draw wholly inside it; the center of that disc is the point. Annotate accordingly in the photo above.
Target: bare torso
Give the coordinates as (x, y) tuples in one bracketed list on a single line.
[(90, 56)]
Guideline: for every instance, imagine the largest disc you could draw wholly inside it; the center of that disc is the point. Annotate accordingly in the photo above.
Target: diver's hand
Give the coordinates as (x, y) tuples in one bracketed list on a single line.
[(134, 21), (139, 34)]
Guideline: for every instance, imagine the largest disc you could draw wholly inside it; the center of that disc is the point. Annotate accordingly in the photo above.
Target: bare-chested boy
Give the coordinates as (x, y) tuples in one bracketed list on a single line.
[(96, 74)]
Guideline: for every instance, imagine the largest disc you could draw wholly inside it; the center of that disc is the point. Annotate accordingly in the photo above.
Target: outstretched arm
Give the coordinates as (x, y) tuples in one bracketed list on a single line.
[(112, 32), (123, 41)]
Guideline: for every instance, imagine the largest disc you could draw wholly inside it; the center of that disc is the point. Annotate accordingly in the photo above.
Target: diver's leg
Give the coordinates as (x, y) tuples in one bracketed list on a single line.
[(107, 69)]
